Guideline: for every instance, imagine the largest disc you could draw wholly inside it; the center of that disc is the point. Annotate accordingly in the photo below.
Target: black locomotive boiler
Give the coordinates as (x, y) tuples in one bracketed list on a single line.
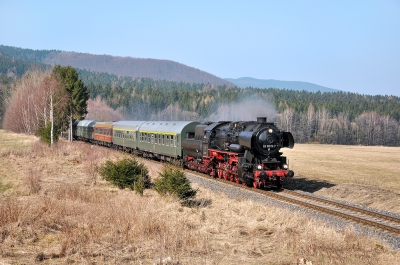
[(246, 152)]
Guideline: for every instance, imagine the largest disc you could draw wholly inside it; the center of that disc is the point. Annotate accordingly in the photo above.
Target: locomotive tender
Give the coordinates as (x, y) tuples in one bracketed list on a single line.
[(246, 152)]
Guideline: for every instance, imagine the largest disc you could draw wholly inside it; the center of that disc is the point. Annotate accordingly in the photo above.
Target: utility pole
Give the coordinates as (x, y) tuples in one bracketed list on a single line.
[(51, 120)]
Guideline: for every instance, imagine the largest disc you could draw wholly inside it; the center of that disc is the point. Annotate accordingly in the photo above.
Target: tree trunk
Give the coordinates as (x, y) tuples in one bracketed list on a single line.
[(70, 129)]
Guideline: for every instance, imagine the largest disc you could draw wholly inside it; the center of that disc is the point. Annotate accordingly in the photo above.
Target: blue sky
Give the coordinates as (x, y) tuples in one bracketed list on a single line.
[(347, 45)]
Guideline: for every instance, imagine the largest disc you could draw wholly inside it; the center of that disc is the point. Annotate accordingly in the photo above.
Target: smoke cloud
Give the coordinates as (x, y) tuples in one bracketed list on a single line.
[(247, 110)]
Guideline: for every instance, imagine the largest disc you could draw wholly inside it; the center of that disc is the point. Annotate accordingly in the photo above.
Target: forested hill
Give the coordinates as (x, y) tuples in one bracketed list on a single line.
[(271, 83), (125, 66)]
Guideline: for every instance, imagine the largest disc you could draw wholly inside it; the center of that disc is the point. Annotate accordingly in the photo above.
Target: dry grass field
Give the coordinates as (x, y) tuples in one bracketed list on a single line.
[(54, 209), (366, 175)]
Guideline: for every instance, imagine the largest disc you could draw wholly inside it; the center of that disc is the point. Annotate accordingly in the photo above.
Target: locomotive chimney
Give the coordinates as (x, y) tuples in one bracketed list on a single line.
[(262, 119)]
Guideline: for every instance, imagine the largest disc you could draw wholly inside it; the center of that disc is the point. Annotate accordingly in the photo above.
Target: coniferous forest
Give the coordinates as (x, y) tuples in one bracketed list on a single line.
[(328, 118)]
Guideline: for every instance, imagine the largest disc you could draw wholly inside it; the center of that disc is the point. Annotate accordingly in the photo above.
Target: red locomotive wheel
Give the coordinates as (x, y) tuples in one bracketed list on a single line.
[(255, 185)]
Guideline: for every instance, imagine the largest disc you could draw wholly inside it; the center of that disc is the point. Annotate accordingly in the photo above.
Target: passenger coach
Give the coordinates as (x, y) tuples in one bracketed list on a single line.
[(83, 130), (126, 135), (163, 139)]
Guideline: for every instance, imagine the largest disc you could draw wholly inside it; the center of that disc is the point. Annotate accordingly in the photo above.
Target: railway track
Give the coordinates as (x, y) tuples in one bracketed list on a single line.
[(376, 220)]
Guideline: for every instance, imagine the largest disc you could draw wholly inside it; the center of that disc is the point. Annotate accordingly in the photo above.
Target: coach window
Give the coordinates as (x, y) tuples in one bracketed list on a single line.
[(152, 138), (167, 141)]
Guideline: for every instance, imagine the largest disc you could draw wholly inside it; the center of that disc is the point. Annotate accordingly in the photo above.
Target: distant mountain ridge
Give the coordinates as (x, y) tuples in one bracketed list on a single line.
[(271, 83), (141, 68), (123, 66)]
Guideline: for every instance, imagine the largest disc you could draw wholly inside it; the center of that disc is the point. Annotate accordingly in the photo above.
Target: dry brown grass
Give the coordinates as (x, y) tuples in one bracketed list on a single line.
[(366, 175), (75, 217), (366, 165)]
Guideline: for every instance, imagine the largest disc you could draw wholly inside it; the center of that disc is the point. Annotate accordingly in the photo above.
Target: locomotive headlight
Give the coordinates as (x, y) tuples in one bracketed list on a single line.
[(259, 167), (270, 130), (285, 166)]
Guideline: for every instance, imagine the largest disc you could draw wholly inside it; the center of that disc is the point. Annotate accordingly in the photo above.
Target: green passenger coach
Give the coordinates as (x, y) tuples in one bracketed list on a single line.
[(125, 135), (163, 139)]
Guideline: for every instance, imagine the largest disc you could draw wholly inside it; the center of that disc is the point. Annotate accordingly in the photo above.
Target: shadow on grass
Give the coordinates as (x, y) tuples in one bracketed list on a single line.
[(308, 185)]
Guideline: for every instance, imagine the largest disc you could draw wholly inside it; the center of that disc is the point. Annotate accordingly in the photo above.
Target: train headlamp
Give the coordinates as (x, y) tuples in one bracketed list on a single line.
[(270, 130), (285, 166), (259, 167)]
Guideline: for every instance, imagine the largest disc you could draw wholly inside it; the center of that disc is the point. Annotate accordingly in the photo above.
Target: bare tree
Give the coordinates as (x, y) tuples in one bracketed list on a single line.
[(27, 106), (99, 110), (287, 121), (310, 122)]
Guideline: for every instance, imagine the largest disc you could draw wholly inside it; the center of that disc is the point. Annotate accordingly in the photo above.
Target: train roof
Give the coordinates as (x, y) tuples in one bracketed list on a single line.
[(104, 124), (166, 127), (87, 123), (127, 125)]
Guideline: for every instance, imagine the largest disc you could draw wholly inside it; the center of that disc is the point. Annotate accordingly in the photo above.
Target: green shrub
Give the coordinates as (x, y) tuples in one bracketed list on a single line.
[(139, 185), (125, 173), (172, 181), (44, 133)]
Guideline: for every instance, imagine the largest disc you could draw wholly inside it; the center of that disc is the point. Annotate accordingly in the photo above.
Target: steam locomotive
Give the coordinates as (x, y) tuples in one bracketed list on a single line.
[(246, 152)]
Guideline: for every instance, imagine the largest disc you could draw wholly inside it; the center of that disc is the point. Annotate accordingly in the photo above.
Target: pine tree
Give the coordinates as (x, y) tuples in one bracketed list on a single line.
[(76, 92)]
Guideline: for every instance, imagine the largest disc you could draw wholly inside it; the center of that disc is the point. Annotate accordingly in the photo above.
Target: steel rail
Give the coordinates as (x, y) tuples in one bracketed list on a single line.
[(280, 196)]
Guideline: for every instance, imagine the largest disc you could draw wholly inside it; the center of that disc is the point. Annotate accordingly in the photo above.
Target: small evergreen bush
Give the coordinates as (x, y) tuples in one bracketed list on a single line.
[(172, 181), (44, 133), (139, 185), (125, 173)]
